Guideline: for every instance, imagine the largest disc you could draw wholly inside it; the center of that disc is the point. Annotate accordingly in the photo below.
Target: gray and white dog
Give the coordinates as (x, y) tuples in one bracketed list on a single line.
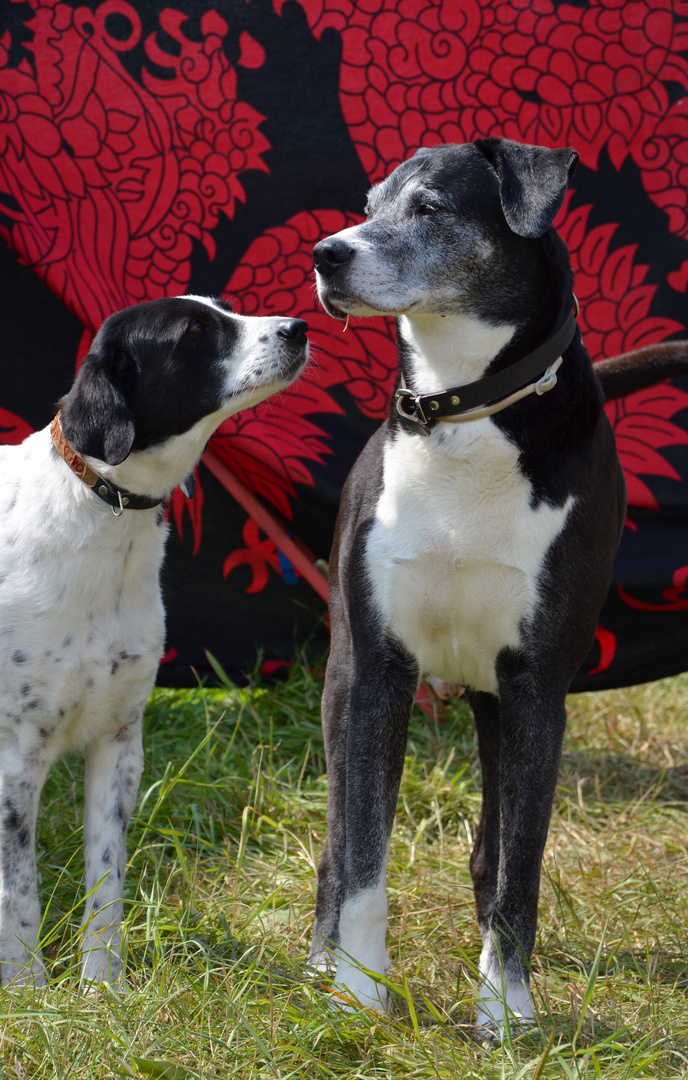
[(475, 539), (82, 536)]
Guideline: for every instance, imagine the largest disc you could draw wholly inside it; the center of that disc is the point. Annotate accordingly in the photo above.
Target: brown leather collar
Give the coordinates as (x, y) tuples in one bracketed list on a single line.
[(117, 498)]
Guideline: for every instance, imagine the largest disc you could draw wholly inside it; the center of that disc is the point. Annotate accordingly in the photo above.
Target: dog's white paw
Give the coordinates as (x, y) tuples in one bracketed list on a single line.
[(21, 966), (496, 1009), (353, 990), (361, 949), (33, 977), (102, 965), (321, 960)]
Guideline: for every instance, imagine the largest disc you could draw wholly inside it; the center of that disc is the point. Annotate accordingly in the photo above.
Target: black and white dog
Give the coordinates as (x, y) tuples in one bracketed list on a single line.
[(82, 534), (475, 539)]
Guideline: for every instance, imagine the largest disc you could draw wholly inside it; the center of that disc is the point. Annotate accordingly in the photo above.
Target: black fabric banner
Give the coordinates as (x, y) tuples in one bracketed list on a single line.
[(155, 148)]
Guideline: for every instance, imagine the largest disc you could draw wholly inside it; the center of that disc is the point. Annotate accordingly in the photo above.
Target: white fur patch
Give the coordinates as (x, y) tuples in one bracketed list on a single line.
[(456, 550), (503, 996), (451, 349), (362, 930)]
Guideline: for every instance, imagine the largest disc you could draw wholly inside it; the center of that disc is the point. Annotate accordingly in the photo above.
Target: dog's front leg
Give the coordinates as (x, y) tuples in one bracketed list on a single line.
[(20, 913), (335, 721), (113, 771), (520, 742), (485, 855), (381, 697)]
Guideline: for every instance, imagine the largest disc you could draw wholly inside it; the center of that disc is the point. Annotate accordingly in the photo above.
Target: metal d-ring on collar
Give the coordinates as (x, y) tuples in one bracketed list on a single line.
[(117, 498), (473, 401)]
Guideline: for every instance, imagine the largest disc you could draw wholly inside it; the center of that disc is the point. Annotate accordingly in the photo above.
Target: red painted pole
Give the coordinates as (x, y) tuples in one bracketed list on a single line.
[(270, 526)]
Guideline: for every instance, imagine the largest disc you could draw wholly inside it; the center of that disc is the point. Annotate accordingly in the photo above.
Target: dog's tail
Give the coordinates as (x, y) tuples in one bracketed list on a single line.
[(631, 371)]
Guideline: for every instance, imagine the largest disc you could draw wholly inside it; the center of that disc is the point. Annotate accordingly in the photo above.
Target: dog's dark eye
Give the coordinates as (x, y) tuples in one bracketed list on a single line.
[(426, 209), (196, 327)]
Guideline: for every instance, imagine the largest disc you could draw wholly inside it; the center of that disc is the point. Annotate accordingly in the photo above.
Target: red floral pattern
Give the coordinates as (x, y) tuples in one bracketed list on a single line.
[(100, 171), (674, 599), (614, 295), (13, 430), (258, 554), (642, 426), (615, 301), (421, 72), (112, 175), (181, 507), (606, 643)]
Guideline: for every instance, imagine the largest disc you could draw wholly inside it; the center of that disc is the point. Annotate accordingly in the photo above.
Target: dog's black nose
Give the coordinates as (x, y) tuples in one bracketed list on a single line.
[(293, 330), (331, 253)]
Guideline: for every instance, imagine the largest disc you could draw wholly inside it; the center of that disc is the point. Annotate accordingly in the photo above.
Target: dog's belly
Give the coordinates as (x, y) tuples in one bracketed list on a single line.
[(82, 682), (456, 553)]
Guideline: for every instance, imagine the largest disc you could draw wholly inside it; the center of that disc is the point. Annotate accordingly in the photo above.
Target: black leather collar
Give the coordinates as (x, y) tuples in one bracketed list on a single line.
[(121, 499), (420, 412)]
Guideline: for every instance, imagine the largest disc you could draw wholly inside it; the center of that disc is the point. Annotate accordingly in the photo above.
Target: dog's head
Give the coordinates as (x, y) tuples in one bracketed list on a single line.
[(447, 231), (158, 369)]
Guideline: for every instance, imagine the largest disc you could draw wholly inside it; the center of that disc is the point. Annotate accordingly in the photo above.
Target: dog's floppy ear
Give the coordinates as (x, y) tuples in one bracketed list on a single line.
[(95, 414), (532, 182)]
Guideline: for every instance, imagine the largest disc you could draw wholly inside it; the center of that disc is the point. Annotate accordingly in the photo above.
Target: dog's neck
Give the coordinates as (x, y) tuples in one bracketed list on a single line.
[(159, 469), (445, 351)]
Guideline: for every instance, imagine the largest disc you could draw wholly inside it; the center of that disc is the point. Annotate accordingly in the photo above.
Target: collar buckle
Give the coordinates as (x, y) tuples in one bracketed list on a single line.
[(547, 382), (415, 422)]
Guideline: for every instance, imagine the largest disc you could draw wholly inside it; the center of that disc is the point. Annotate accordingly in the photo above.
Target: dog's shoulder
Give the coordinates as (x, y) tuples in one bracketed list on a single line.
[(57, 539), (28, 479)]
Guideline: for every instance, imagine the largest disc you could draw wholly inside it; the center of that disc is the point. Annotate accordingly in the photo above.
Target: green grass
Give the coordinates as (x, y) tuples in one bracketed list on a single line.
[(221, 886)]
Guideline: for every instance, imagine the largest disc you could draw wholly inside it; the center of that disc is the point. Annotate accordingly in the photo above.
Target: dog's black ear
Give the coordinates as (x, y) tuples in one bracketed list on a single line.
[(532, 182), (95, 414)]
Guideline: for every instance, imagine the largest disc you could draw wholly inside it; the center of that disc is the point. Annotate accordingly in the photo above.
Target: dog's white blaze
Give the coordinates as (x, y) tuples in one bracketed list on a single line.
[(362, 930), (256, 368), (456, 550)]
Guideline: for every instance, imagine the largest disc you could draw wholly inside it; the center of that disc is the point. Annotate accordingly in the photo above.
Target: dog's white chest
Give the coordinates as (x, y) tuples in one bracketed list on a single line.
[(456, 551), (81, 618)]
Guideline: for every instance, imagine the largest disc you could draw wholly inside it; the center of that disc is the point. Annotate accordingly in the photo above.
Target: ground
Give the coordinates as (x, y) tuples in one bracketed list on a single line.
[(221, 887)]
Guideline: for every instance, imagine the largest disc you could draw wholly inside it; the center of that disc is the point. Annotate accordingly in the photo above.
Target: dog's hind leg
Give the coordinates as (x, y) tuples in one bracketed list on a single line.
[(20, 913), (362, 806), (520, 748), (113, 770)]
